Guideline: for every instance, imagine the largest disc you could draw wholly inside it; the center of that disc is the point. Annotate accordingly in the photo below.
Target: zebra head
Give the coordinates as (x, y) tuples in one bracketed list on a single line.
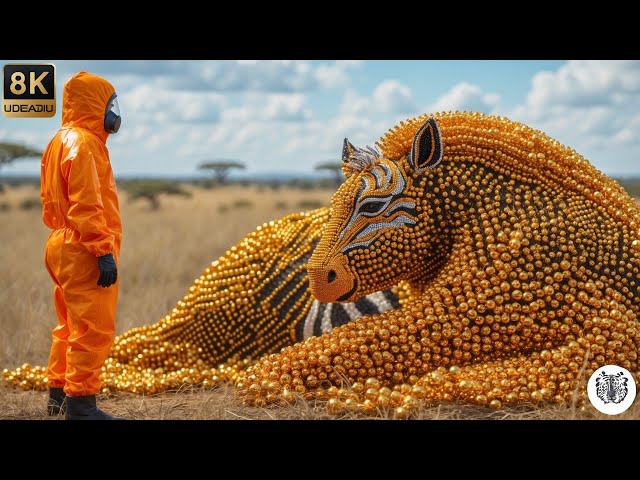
[(369, 242)]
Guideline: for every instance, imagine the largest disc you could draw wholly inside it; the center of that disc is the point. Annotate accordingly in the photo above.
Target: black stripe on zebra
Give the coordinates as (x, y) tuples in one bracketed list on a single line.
[(297, 284), (339, 315), (392, 298), (366, 306)]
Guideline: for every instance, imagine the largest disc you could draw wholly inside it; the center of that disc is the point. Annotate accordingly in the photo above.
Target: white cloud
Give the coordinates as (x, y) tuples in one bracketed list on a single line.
[(276, 107), (121, 67), (29, 138), (147, 103), (336, 74), (354, 104), (324, 139), (466, 96), (278, 76), (389, 96), (360, 118), (267, 76), (258, 133), (629, 133), (585, 83), (595, 103), (286, 107)]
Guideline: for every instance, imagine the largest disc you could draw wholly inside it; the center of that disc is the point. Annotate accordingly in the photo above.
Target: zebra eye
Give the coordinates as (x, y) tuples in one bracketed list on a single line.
[(371, 207)]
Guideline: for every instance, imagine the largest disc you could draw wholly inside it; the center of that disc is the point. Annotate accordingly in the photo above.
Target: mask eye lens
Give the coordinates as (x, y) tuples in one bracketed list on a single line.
[(112, 105)]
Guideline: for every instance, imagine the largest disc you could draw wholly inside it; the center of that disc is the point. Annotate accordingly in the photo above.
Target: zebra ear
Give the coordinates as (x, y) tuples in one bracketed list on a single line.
[(347, 150), (426, 151)]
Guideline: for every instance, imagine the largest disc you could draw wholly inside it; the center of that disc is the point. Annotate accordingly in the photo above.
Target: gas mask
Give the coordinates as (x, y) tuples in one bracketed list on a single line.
[(112, 117)]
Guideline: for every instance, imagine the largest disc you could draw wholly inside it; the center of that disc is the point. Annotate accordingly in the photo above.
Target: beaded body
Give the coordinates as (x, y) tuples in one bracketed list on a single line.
[(523, 265), (516, 264)]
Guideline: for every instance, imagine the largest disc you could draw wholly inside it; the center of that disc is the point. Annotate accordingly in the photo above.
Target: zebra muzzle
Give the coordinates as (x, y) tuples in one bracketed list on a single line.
[(332, 282)]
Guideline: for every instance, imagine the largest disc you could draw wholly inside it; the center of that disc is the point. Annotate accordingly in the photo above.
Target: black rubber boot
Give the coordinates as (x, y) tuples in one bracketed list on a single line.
[(56, 403), (84, 408)]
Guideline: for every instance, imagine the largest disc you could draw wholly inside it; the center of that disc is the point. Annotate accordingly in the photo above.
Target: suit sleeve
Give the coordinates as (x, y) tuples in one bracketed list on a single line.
[(86, 210)]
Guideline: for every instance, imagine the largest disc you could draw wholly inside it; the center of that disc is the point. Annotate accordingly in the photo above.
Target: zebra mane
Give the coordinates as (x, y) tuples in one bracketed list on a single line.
[(362, 158)]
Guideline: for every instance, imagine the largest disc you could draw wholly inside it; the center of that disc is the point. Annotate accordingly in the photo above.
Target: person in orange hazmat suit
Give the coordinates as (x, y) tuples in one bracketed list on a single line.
[(80, 205)]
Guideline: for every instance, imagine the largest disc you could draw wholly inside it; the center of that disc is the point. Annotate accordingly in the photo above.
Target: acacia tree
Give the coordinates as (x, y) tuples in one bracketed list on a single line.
[(335, 168), (9, 152), (220, 169)]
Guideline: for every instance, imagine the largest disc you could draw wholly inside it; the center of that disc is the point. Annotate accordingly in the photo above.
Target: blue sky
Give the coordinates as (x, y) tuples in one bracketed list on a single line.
[(290, 115)]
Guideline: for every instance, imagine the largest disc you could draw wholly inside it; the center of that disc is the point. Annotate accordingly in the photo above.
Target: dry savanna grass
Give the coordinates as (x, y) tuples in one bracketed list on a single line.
[(163, 251)]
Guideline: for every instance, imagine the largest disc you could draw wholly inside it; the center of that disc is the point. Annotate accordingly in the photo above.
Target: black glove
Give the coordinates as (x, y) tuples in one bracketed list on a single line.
[(108, 270)]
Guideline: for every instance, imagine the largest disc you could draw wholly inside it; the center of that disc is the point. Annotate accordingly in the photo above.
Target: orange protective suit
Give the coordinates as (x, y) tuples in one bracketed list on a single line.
[(80, 204)]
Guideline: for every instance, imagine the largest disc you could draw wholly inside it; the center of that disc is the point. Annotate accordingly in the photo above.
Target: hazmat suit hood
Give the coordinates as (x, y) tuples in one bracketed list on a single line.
[(84, 100)]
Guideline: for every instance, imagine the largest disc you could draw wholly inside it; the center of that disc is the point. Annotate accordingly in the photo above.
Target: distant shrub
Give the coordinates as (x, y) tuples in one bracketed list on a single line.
[(328, 183), (12, 182), (222, 208), (150, 190), (243, 203), (5, 206), (310, 204), (1, 188), (281, 205), (30, 203), (304, 185)]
